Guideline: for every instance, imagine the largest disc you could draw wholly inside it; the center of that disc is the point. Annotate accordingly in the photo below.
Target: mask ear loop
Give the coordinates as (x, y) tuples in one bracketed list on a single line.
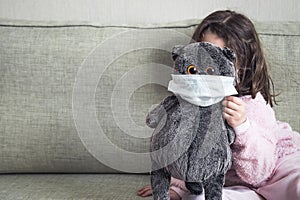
[(236, 79)]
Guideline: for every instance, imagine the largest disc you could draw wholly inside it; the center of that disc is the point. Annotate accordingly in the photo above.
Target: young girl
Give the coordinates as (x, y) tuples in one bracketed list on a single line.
[(266, 152)]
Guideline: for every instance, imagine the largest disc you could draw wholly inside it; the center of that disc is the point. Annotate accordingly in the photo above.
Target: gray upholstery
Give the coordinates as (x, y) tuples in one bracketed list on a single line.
[(71, 186), (39, 66)]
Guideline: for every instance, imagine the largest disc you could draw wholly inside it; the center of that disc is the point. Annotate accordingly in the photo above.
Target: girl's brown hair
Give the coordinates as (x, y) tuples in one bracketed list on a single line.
[(239, 34)]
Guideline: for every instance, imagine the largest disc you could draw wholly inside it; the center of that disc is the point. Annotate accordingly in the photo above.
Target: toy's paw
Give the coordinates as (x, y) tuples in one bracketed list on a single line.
[(151, 122), (194, 187)]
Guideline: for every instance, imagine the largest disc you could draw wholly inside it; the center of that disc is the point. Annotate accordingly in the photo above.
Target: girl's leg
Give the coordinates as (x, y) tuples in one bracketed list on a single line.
[(285, 183), (240, 193), (229, 193)]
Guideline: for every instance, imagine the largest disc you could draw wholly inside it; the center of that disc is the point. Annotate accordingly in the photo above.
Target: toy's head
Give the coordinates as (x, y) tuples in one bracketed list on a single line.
[(203, 58), (203, 73)]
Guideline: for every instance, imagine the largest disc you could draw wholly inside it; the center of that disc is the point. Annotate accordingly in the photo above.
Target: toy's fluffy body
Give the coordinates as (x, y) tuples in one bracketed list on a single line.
[(198, 137)]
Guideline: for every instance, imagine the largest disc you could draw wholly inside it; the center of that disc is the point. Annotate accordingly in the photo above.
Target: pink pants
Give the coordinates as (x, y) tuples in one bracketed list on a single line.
[(284, 184)]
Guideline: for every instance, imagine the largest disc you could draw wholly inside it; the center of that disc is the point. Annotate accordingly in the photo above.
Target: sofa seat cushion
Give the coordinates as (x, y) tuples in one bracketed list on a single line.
[(71, 186)]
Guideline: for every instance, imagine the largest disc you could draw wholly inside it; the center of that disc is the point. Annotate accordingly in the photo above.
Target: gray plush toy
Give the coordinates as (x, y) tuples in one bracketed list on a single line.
[(192, 140)]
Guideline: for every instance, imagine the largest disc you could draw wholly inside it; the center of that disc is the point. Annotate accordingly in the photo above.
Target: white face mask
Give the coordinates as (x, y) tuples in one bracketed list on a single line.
[(202, 90)]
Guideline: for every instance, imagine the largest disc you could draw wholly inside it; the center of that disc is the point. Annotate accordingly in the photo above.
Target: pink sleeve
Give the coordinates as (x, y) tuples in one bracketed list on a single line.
[(255, 143)]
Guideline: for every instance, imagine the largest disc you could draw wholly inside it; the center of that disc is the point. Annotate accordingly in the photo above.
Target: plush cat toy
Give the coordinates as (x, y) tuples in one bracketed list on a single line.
[(192, 140)]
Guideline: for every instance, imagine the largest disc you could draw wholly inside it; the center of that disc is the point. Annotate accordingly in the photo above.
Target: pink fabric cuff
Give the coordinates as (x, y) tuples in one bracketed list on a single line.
[(242, 128)]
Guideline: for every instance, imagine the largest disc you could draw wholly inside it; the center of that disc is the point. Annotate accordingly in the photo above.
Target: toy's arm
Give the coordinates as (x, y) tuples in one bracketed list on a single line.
[(155, 115)]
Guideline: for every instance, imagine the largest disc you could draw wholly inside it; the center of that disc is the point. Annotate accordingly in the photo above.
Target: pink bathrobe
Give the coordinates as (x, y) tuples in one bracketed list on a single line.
[(266, 158)]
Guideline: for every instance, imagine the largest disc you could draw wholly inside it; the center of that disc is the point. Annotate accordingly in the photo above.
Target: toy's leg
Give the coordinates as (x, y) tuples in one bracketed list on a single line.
[(213, 188), (160, 183), (194, 187)]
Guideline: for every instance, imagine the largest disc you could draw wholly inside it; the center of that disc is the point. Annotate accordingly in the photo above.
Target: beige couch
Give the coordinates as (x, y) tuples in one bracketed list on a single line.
[(73, 100)]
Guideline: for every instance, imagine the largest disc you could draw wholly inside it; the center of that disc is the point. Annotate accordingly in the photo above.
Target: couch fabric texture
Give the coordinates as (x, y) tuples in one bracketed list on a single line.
[(39, 71)]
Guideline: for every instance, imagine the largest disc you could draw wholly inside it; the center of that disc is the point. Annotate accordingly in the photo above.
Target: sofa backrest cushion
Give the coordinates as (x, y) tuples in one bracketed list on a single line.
[(71, 93)]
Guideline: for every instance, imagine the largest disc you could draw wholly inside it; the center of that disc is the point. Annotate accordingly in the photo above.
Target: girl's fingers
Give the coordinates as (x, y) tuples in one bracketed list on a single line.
[(234, 111), (235, 100), (145, 191), (226, 116), (230, 105), (234, 103), (229, 111)]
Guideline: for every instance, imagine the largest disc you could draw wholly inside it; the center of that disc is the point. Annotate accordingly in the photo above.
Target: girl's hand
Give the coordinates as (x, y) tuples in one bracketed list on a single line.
[(147, 191), (234, 111)]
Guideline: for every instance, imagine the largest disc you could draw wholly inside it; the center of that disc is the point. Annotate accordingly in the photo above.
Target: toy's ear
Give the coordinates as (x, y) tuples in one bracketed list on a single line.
[(176, 51), (229, 54)]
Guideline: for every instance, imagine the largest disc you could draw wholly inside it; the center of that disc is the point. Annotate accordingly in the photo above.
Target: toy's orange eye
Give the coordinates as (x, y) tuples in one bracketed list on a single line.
[(192, 69), (210, 70)]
